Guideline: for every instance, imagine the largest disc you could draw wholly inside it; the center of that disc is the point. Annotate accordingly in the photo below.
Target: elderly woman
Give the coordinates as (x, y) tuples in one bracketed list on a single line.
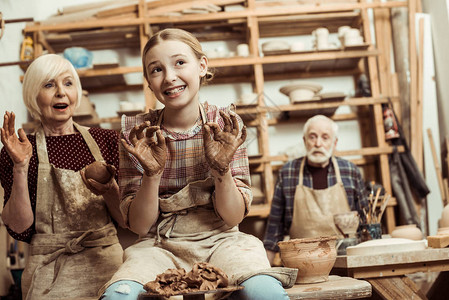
[(52, 197)]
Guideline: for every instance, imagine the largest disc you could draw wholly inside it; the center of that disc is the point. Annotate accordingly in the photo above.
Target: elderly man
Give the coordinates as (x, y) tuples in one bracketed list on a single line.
[(311, 189)]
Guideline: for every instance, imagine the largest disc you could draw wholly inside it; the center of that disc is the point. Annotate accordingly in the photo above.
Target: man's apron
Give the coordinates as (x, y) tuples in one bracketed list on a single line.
[(313, 210), (75, 249), (188, 231)]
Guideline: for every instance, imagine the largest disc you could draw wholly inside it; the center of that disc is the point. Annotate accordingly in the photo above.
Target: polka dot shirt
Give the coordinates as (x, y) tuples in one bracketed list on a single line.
[(64, 152)]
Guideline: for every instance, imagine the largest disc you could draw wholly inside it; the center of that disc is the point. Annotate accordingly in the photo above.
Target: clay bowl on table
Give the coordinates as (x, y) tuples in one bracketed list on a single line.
[(348, 222), (313, 257), (411, 232)]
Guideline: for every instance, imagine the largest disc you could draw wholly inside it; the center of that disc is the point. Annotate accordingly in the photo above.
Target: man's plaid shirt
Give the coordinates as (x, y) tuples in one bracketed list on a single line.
[(280, 218)]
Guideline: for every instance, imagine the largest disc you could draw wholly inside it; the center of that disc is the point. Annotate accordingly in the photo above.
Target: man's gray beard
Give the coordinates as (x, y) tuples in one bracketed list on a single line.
[(319, 159)]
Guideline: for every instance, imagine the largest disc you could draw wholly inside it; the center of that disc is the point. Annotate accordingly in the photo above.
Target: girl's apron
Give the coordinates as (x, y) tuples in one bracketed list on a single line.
[(75, 249), (188, 231), (313, 210)]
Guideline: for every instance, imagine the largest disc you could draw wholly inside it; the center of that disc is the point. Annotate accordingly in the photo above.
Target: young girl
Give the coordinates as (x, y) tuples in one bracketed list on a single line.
[(184, 180)]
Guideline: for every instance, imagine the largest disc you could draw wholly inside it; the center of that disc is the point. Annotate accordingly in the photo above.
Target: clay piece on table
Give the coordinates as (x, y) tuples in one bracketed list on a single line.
[(98, 171), (202, 277)]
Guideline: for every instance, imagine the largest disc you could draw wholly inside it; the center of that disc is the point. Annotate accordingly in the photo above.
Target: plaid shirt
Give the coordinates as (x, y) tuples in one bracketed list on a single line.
[(280, 218), (186, 160)]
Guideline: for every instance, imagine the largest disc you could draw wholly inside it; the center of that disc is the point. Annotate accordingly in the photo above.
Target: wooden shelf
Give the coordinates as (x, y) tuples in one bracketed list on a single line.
[(258, 19), (333, 62)]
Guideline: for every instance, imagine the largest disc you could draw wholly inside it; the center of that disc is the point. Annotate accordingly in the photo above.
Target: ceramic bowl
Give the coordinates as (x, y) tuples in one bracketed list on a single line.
[(301, 91), (348, 222), (275, 46), (313, 257), (411, 232)]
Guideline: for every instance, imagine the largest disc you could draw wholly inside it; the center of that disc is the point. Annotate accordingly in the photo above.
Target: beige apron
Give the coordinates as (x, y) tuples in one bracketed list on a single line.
[(75, 249), (189, 231), (313, 210)]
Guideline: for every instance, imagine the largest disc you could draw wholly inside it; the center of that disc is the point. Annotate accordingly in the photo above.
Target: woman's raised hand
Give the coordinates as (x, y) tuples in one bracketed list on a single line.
[(150, 151), (18, 147), (221, 147)]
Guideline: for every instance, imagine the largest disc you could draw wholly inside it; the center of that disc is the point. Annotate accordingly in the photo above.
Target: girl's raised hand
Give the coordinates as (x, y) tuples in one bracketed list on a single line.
[(221, 147), (150, 151), (18, 147)]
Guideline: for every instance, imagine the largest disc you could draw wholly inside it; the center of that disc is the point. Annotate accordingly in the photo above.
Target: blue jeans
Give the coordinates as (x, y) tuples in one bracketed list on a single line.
[(259, 287)]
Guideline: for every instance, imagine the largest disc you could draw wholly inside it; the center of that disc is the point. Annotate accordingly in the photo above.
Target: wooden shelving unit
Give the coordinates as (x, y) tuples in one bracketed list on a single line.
[(130, 28)]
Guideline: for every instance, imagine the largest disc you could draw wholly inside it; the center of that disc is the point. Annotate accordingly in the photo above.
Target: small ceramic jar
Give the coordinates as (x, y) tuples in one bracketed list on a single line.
[(243, 50)]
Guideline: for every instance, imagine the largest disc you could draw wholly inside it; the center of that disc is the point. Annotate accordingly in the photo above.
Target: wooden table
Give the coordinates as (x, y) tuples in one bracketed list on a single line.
[(335, 288), (386, 271)]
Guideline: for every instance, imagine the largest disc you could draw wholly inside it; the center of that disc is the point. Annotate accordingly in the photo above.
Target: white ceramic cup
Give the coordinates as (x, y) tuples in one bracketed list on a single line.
[(353, 37), (243, 50), (341, 34), (321, 38)]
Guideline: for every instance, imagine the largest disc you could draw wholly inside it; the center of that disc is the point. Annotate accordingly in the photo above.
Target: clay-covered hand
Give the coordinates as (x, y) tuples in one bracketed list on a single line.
[(18, 147), (149, 151), (98, 177), (221, 147)]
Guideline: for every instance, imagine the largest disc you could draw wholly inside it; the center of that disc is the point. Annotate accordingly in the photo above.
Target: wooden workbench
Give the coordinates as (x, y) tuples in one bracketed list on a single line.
[(386, 271), (335, 288)]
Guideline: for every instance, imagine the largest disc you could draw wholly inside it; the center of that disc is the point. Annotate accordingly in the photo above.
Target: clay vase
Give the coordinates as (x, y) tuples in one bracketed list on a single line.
[(411, 232), (444, 221), (313, 257)]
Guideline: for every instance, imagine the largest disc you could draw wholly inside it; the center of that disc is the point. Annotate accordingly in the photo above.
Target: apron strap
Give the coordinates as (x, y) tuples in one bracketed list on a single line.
[(93, 146), (301, 173), (41, 146), (42, 153), (337, 169)]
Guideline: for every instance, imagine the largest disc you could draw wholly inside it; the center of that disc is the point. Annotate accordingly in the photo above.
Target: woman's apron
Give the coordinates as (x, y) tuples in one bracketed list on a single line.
[(189, 230), (313, 209), (75, 249)]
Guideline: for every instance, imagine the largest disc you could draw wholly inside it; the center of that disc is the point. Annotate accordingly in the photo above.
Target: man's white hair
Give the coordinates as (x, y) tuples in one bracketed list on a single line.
[(318, 118)]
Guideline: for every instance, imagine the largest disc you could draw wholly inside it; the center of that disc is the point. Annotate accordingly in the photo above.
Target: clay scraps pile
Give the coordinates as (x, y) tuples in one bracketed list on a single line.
[(202, 277)]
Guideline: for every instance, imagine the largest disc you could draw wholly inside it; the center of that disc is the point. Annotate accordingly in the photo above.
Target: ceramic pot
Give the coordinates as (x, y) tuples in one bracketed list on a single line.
[(444, 221), (313, 257), (348, 222), (411, 232)]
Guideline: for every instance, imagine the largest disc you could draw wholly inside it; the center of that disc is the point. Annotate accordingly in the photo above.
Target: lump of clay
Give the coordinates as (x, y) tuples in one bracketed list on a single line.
[(202, 277), (98, 171)]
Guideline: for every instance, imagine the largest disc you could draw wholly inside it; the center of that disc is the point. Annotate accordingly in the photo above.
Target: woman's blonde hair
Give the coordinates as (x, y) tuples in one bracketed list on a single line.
[(40, 71), (176, 34)]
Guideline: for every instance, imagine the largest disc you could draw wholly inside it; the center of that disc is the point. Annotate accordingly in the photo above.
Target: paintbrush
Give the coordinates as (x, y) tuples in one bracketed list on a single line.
[(375, 204), (383, 206)]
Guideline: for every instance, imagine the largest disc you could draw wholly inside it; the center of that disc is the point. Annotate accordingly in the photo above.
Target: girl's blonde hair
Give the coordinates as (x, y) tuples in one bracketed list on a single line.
[(176, 34), (40, 71)]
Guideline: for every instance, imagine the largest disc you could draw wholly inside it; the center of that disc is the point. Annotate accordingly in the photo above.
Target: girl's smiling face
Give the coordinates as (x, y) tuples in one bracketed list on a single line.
[(57, 99), (174, 73)]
